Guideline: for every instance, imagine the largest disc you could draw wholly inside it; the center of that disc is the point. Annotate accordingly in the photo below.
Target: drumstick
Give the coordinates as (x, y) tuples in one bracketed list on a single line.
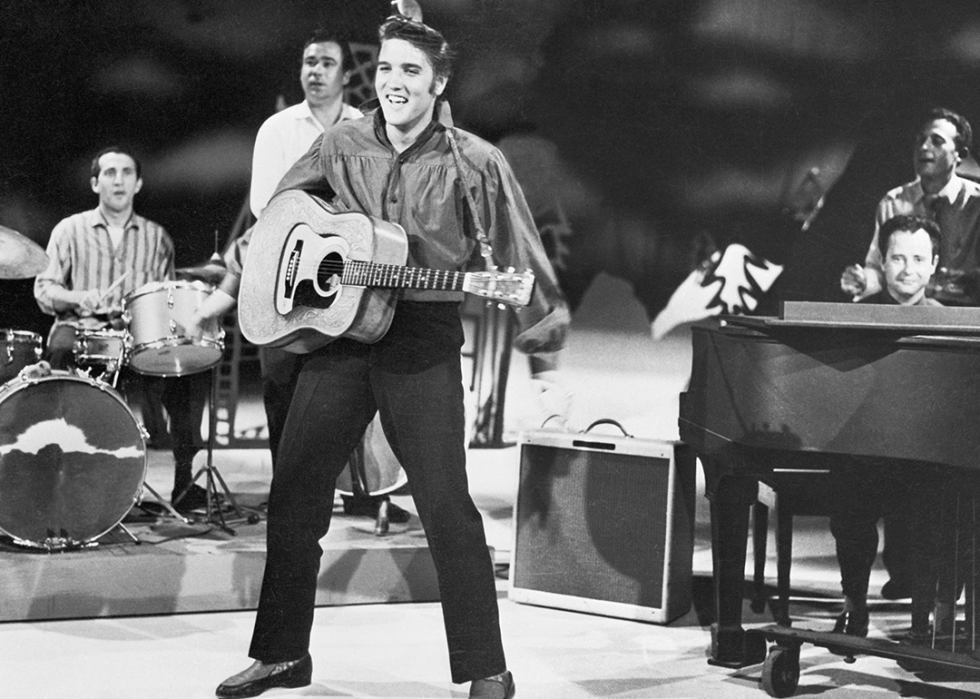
[(114, 284)]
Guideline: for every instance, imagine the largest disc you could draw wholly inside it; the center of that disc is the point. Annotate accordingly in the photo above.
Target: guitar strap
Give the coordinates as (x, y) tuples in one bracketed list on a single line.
[(486, 250)]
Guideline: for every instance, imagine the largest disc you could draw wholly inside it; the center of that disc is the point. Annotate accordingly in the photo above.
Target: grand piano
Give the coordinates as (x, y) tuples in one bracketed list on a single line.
[(777, 394)]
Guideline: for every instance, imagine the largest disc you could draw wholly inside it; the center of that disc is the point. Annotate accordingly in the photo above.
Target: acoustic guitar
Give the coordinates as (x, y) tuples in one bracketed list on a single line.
[(313, 275)]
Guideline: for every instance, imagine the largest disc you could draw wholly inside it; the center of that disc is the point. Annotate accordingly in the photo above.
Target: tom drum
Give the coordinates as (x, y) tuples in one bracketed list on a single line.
[(159, 314), (18, 348)]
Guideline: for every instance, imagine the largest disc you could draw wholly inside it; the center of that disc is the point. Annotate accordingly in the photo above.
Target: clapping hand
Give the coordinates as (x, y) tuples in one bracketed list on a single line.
[(853, 280)]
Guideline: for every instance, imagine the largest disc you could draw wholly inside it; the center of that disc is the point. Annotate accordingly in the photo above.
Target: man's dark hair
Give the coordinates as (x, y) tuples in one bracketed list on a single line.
[(909, 224), (97, 168), (424, 38), (324, 36), (964, 133)]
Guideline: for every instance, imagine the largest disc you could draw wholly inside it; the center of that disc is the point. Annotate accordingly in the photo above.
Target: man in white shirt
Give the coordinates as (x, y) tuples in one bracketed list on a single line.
[(287, 135)]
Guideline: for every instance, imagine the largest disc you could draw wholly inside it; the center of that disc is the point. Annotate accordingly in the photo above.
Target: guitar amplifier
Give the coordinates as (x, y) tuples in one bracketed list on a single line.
[(604, 525)]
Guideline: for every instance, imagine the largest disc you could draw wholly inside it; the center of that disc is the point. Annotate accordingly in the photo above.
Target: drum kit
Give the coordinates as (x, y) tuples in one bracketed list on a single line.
[(72, 454)]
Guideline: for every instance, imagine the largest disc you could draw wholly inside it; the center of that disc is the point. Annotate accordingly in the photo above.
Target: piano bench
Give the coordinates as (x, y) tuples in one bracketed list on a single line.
[(790, 494)]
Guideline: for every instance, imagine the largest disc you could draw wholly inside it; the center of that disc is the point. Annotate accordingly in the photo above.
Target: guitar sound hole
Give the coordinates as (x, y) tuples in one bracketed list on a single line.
[(306, 295), (330, 271)]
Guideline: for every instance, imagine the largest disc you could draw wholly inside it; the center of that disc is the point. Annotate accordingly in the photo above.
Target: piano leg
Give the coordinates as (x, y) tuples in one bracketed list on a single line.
[(730, 497)]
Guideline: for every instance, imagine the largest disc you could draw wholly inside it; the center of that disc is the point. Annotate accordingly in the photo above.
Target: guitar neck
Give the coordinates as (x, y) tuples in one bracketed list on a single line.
[(399, 277)]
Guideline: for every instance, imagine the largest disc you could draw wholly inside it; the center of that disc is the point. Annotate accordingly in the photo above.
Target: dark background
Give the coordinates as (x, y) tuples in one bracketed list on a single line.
[(645, 133)]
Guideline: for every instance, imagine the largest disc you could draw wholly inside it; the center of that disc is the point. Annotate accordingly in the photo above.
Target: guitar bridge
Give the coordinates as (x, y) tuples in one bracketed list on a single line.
[(288, 272)]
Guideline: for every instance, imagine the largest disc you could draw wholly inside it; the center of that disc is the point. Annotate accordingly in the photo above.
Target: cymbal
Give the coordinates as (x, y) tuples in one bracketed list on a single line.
[(20, 257), (209, 274)]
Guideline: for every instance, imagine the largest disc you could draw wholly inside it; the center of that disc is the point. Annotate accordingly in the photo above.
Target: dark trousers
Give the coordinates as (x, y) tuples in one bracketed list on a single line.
[(909, 494), (413, 377), (184, 398), (280, 371)]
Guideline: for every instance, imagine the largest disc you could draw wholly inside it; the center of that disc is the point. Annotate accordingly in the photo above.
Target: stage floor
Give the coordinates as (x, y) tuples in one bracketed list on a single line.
[(398, 649)]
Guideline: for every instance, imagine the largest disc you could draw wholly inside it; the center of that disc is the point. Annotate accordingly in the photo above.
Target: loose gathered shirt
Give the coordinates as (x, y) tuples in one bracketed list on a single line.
[(354, 167)]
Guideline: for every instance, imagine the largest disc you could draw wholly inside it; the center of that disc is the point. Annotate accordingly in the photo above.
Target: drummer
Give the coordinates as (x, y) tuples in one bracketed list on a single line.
[(96, 258)]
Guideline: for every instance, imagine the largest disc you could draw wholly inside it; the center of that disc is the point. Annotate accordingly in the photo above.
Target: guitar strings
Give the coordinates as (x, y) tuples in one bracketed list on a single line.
[(396, 275)]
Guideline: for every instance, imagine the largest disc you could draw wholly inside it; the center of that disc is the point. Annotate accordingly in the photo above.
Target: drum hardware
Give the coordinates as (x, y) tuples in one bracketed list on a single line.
[(107, 349), (215, 514), (211, 272)]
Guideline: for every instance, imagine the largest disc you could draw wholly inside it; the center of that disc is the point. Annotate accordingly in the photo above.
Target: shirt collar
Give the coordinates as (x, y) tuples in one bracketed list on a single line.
[(303, 111), (96, 218), (442, 120), (950, 192)]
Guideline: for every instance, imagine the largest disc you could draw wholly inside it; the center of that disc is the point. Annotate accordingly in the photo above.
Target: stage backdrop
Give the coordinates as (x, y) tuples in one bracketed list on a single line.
[(647, 134)]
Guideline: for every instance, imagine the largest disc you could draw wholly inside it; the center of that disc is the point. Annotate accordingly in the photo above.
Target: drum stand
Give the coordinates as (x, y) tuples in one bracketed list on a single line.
[(163, 503), (214, 514)]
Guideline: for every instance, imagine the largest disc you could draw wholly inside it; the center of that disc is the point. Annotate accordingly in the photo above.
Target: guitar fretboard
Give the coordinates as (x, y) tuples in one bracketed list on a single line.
[(395, 276)]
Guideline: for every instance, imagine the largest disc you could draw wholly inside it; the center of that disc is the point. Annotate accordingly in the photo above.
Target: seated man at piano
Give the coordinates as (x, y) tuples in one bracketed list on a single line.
[(909, 249), (876, 488), (937, 193), (953, 202)]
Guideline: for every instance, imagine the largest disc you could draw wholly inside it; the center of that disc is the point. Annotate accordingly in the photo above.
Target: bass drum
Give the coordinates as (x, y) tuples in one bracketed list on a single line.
[(72, 460), (381, 468)]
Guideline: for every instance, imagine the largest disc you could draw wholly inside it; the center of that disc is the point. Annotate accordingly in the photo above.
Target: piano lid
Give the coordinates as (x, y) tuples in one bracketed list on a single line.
[(911, 320)]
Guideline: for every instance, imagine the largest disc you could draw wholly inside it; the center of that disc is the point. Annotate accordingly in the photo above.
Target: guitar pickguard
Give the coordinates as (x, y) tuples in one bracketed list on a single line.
[(310, 269)]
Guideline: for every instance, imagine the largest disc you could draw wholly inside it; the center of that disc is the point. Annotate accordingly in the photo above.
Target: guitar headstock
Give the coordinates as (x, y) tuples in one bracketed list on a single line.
[(506, 287)]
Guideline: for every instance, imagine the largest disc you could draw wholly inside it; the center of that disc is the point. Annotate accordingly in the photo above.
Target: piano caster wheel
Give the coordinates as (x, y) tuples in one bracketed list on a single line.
[(781, 671)]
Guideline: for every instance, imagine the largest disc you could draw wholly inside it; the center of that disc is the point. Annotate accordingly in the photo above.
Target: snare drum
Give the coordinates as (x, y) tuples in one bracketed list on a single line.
[(18, 348), (72, 460), (102, 348), (159, 313)]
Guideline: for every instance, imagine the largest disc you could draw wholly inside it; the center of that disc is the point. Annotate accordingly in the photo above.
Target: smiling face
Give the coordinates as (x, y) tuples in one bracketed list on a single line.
[(407, 87), (322, 75), (935, 157), (117, 182), (908, 265)]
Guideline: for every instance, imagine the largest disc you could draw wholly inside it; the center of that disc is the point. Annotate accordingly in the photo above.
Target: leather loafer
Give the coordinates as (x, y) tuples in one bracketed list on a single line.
[(494, 687), (256, 679)]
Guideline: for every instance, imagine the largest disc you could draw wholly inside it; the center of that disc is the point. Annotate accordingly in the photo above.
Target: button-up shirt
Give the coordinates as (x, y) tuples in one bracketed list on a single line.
[(279, 143), (82, 256), (956, 208)]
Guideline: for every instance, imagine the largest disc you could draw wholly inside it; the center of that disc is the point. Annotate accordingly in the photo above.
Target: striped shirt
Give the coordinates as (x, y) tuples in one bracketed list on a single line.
[(81, 256)]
